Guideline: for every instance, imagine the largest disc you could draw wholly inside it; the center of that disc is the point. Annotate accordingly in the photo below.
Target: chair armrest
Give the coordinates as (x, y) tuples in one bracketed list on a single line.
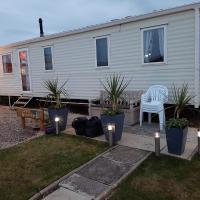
[(165, 99), (144, 97)]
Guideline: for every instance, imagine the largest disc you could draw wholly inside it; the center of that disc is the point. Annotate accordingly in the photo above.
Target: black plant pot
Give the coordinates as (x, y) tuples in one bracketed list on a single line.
[(176, 140), (118, 120), (62, 113)]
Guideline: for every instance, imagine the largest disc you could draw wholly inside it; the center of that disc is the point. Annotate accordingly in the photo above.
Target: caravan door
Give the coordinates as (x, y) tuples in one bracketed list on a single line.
[(25, 70)]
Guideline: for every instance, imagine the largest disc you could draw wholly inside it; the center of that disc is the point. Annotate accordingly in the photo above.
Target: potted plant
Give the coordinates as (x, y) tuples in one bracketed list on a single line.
[(176, 127), (56, 109), (114, 86)]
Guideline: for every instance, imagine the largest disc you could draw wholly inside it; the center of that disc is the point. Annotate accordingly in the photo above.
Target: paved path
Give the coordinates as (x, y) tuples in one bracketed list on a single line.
[(99, 177)]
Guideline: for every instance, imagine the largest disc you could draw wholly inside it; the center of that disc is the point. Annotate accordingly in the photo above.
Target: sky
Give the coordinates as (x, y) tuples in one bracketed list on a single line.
[(19, 18)]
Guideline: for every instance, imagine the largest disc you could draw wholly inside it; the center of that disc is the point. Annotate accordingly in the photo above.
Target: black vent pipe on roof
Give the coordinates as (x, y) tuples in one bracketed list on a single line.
[(41, 28)]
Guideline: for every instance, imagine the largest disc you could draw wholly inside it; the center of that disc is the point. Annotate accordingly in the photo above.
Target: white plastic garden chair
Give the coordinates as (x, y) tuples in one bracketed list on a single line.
[(153, 102)]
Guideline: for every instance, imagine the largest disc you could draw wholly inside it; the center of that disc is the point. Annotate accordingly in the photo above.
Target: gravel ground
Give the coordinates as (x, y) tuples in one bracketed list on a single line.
[(11, 132)]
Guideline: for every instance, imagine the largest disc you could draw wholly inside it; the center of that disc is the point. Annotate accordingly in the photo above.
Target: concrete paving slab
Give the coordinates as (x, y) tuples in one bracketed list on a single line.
[(104, 170), (125, 155), (143, 142), (64, 194), (83, 186), (145, 129), (137, 141)]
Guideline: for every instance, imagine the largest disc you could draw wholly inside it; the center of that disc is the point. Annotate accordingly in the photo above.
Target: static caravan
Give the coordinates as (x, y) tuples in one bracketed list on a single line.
[(156, 48)]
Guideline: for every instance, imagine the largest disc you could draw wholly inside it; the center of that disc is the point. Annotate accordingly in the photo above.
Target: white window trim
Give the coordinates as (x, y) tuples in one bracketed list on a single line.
[(165, 44), (52, 53), (4, 54), (108, 44)]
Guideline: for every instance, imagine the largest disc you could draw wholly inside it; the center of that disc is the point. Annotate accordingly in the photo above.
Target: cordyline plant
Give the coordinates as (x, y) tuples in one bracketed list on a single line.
[(55, 91), (114, 86), (181, 99)]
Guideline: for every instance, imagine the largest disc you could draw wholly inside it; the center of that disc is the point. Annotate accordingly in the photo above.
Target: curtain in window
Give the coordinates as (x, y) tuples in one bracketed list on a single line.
[(148, 45), (48, 58), (161, 41), (154, 45), (7, 63), (102, 52)]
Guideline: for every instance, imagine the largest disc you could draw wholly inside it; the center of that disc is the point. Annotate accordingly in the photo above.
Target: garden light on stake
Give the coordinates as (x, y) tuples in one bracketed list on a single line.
[(111, 130), (157, 143), (198, 136), (57, 119)]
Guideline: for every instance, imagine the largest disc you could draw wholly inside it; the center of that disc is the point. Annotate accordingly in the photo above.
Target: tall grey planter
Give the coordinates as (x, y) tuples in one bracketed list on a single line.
[(118, 120)]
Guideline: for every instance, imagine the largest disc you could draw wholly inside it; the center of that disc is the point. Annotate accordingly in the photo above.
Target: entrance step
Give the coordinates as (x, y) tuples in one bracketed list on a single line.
[(22, 101), (25, 97)]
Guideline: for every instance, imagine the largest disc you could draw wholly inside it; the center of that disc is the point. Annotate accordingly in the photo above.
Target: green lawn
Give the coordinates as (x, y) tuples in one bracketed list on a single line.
[(163, 178), (29, 167)]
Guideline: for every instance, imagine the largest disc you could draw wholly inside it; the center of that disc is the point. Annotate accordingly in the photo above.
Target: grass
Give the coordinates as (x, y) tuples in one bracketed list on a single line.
[(27, 168), (163, 178)]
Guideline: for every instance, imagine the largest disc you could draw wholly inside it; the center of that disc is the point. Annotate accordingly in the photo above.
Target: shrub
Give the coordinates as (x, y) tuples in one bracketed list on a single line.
[(55, 92), (177, 123), (114, 86)]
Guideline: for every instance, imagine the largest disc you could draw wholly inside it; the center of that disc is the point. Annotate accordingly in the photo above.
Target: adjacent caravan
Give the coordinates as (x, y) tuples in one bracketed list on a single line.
[(156, 48)]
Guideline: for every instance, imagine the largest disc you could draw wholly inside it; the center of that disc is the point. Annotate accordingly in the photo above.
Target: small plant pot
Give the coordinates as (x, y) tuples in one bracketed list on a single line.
[(62, 113), (118, 120), (176, 140)]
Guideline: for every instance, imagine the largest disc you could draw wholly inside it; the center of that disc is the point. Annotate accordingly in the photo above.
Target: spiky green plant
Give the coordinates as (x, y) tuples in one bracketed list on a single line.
[(115, 85), (181, 99), (55, 91)]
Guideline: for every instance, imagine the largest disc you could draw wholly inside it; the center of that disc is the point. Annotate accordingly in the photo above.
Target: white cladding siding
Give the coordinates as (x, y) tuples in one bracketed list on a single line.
[(74, 58)]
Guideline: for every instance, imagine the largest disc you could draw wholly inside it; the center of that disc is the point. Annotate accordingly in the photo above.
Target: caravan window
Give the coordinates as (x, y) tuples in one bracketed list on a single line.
[(154, 44), (102, 52), (7, 63), (48, 58)]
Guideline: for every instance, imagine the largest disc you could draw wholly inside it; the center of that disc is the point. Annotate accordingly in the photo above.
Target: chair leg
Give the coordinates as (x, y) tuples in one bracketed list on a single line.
[(149, 118), (161, 117), (141, 117)]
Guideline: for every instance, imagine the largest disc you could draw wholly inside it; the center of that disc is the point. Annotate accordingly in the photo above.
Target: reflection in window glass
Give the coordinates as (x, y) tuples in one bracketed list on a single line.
[(102, 52), (7, 63), (48, 58)]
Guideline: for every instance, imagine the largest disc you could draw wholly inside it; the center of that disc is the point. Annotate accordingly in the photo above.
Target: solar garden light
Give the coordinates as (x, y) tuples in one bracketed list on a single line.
[(111, 130), (57, 119), (157, 143), (198, 137)]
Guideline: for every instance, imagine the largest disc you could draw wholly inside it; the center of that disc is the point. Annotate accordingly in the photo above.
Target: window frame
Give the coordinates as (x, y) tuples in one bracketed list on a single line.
[(165, 44), (11, 55), (108, 46), (52, 53)]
